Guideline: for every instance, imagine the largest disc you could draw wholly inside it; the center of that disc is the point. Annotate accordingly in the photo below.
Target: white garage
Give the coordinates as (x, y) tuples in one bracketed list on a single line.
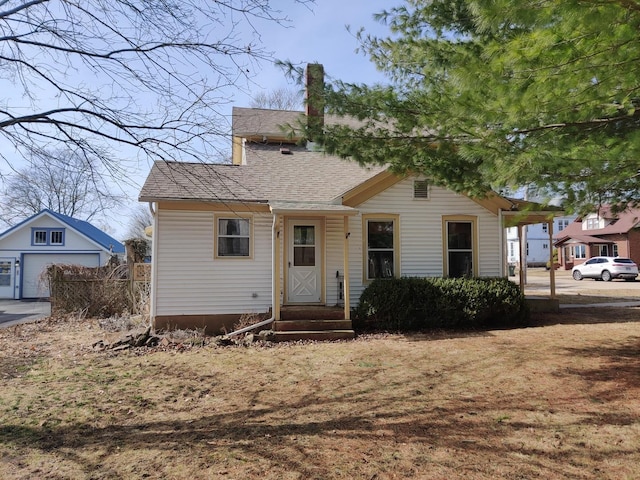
[(34, 264), (46, 238)]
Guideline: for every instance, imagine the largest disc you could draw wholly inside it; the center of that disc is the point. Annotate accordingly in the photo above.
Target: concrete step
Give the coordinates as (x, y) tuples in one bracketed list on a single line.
[(317, 335), (310, 325)]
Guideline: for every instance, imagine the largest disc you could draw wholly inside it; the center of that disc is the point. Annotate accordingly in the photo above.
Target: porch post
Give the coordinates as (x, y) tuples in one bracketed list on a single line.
[(345, 266), (276, 269), (552, 270), (523, 257)]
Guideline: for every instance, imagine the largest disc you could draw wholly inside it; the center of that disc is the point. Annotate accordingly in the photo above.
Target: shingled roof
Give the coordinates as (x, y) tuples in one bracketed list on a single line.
[(618, 223), (292, 175), (258, 122)]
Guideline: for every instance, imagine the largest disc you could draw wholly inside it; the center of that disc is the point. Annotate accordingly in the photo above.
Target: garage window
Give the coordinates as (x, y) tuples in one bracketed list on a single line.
[(47, 236)]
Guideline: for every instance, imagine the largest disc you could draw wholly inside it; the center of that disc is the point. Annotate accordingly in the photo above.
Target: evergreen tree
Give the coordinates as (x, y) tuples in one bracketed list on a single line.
[(500, 93)]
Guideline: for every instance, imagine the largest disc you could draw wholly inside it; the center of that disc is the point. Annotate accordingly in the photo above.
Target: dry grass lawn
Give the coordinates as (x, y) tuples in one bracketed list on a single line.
[(558, 400)]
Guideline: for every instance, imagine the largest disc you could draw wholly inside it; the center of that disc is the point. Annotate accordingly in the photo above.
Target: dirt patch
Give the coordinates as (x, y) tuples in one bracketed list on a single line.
[(560, 399)]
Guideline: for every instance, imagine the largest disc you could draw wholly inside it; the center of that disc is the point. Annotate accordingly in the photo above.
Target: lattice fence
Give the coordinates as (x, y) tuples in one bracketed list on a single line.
[(97, 292)]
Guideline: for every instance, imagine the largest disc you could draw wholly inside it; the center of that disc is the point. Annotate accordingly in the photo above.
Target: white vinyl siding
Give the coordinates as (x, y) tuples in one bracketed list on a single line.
[(421, 249), (334, 241), (190, 281)]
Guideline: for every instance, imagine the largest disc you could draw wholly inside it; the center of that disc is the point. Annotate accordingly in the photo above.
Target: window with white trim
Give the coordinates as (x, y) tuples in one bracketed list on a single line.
[(47, 236), (56, 237), (39, 237), (380, 248), (562, 224), (614, 250), (593, 223), (233, 237), (579, 251)]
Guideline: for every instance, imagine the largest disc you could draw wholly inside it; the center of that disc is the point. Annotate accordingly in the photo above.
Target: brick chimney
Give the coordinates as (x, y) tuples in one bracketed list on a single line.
[(315, 99)]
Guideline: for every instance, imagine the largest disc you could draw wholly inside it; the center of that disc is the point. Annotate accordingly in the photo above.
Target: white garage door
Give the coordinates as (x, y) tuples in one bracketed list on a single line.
[(34, 264)]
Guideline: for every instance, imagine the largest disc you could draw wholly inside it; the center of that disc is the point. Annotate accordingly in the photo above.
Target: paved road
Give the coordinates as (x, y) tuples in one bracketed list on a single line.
[(13, 312)]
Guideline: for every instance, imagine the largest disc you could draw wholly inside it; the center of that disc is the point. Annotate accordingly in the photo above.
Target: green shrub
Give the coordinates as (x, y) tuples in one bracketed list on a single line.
[(412, 304)]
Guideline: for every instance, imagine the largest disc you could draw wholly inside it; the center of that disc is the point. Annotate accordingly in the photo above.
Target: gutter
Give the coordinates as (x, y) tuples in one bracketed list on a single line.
[(274, 236)]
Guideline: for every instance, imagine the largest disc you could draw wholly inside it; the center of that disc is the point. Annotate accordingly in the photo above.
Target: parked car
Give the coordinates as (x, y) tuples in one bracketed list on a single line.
[(606, 268)]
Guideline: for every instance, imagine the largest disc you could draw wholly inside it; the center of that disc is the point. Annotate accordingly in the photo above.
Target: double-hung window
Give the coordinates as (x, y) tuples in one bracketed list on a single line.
[(460, 239), (381, 246), (233, 237)]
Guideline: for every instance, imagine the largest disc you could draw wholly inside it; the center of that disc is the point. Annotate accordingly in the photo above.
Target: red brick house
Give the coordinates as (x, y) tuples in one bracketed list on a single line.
[(600, 234)]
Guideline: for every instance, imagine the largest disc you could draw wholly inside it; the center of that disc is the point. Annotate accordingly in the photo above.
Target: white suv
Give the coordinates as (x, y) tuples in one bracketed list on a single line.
[(606, 268)]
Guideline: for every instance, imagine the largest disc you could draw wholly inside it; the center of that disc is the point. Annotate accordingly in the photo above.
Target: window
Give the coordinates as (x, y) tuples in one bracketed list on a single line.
[(39, 237), (460, 248), (545, 228), (614, 253), (420, 189), (47, 236), (562, 224), (233, 237), (56, 237), (603, 250), (579, 251), (545, 246), (380, 247), (304, 246), (593, 223)]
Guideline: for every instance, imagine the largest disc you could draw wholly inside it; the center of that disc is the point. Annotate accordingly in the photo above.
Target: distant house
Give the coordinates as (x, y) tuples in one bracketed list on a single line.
[(286, 227), (538, 242), (47, 238), (600, 234)]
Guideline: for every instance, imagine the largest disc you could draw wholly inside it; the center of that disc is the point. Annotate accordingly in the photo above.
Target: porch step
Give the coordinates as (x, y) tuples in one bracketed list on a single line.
[(310, 325), (318, 335), (312, 322), (311, 312)]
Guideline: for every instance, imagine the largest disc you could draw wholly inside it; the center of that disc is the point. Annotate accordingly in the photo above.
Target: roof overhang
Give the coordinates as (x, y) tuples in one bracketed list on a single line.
[(582, 239), (311, 209)]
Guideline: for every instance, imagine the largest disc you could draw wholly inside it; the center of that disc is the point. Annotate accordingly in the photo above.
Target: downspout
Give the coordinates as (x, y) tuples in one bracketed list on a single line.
[(274, 295)]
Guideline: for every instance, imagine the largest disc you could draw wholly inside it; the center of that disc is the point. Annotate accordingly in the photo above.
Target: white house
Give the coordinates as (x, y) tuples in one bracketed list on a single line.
[(285, 226), (47, 238), (537, 241)]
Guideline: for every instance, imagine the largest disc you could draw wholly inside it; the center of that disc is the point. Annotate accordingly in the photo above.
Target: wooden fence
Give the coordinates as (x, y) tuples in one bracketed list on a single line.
[(101, 291)]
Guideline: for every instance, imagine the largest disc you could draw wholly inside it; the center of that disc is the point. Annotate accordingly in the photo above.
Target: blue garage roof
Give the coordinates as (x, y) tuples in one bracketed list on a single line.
[(85, 228)]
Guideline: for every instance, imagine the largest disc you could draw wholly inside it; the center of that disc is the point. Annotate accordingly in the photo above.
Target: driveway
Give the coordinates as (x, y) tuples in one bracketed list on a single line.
[(625, 293), (13, 312)]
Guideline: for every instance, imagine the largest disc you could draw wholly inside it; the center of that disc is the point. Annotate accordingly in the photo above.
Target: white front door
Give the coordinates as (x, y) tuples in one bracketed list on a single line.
[(304, 261), (7, 277)]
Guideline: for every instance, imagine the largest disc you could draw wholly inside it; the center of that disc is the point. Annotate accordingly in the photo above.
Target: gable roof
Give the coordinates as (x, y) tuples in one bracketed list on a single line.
[(269, 169), (94, 234), (298, 175), (621, 222)]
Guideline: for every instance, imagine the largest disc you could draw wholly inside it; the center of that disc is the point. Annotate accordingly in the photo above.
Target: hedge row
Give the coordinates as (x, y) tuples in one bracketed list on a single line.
[(413, 304)]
